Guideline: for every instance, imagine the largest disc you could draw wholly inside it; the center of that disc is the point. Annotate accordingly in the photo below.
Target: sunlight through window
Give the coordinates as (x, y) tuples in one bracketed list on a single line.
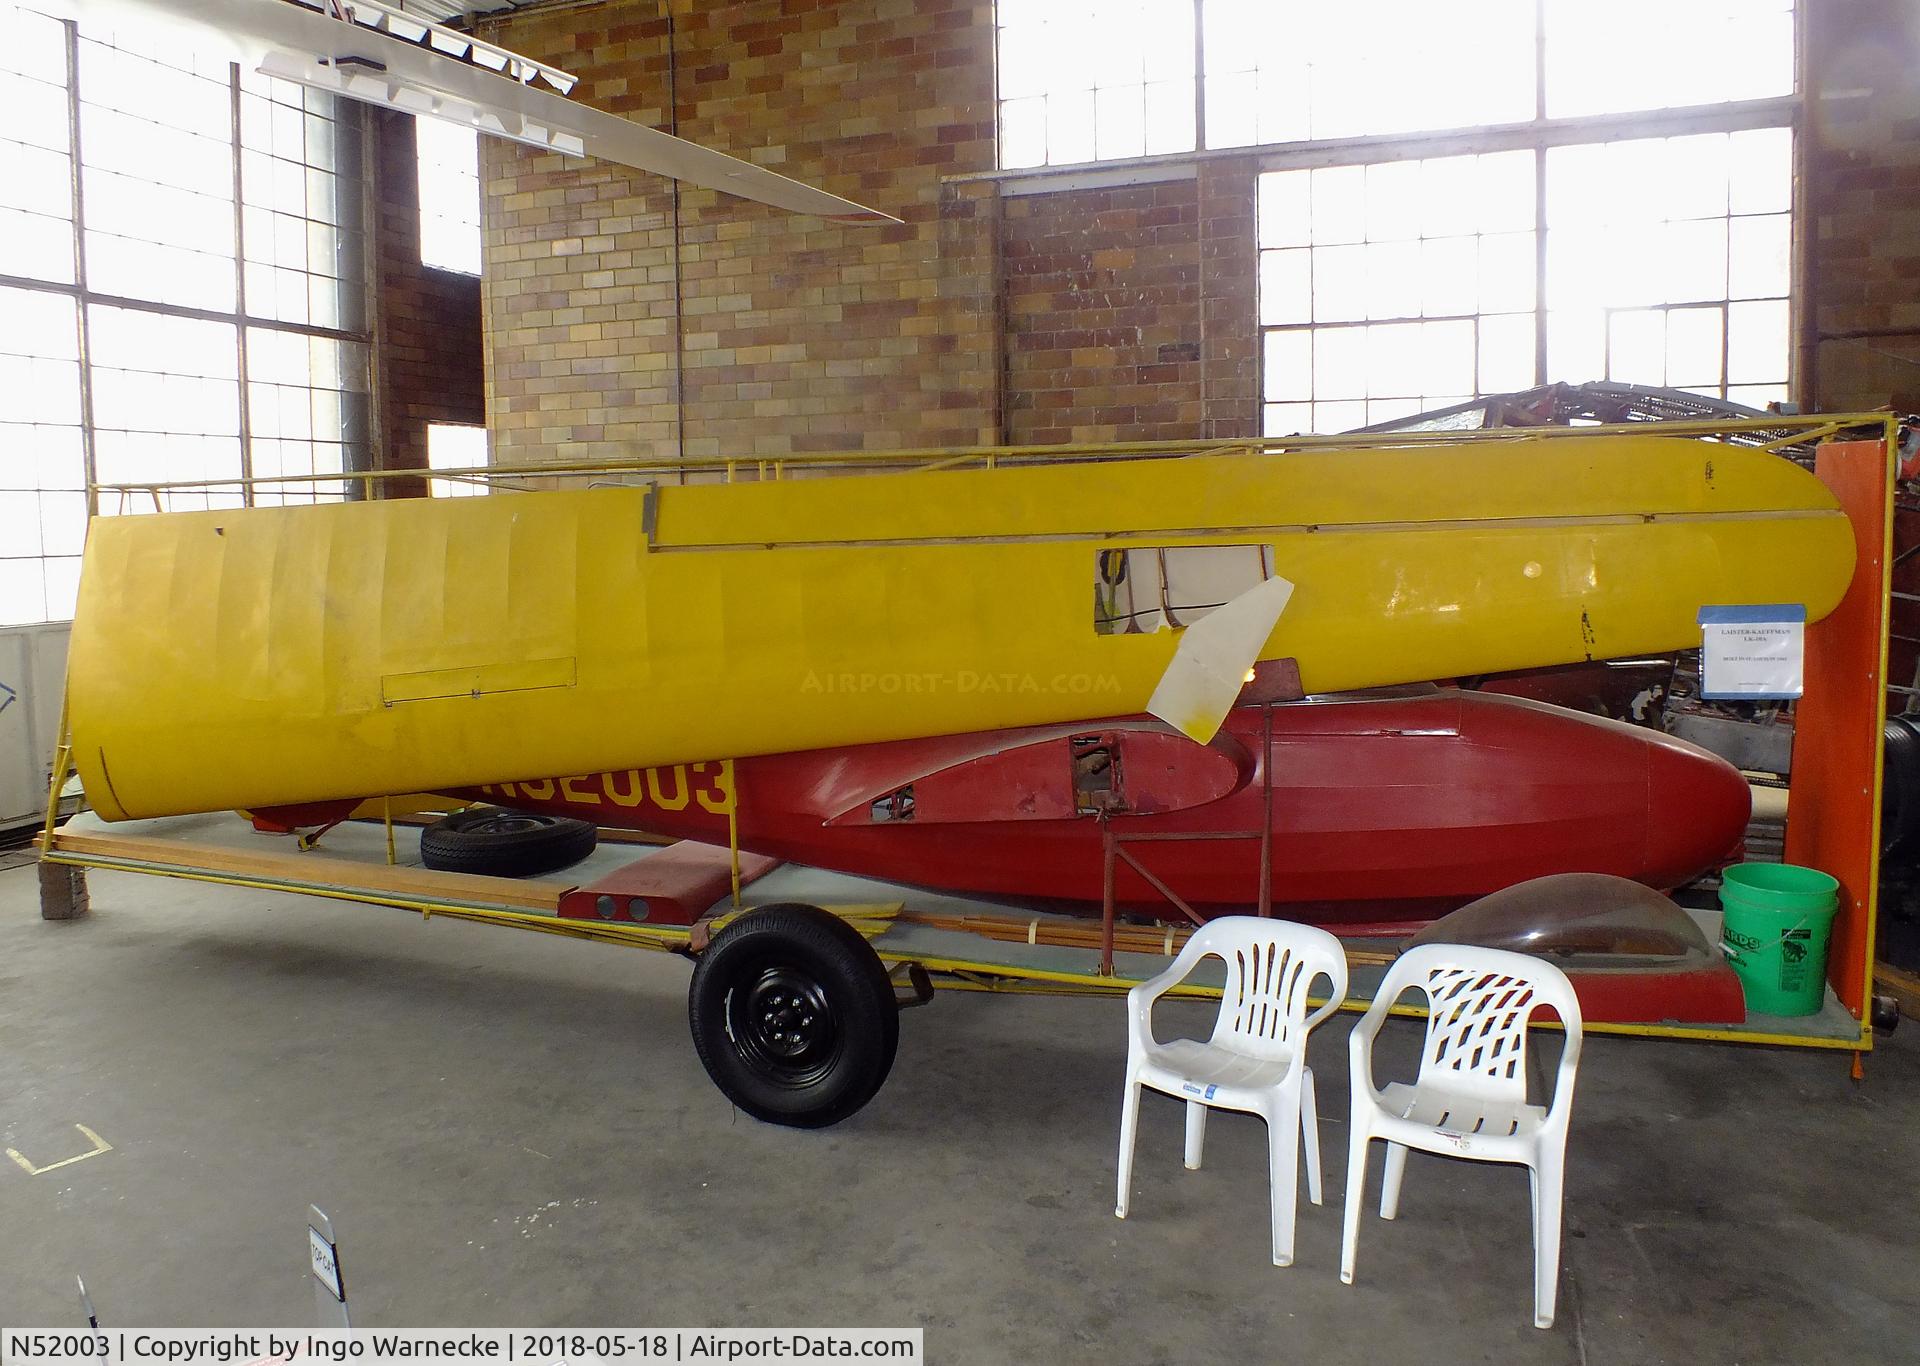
[(224, 335), (449, 159)]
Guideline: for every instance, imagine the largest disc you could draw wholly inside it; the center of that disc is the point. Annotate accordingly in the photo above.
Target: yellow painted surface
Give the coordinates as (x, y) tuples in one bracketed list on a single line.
[(516, 675), (246, 658), (100, 1145)]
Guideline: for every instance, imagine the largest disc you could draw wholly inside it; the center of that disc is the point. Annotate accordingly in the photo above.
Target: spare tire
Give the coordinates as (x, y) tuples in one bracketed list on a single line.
[(502, 843), (1900, 791)]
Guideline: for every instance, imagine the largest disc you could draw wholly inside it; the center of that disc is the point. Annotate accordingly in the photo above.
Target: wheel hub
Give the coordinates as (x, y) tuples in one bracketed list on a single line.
[(511, 824), (782, 1022)]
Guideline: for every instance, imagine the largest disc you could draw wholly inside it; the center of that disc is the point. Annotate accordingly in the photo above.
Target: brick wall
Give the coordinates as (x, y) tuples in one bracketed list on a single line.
[(1103, 312), (1119, 313), (1129, 310), (1863, 203), (427, 324), (1096, 314), (1861, 310), (1229, 302), (791, 334)]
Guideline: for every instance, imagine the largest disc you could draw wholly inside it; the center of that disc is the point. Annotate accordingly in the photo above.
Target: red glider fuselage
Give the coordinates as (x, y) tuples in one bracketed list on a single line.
[(1386, 809)]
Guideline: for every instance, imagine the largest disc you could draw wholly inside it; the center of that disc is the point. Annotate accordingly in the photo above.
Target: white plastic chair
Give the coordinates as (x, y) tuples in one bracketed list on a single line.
[(1256, 1059), (1470, 1099)]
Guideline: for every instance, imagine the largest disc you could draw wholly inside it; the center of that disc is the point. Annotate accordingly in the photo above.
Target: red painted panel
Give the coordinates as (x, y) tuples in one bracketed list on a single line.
[(1161, 772), (1703, 995), (1833, 820), (1386, 810), (1154, 771), (1032, 782), (672, 886), (284, 820)]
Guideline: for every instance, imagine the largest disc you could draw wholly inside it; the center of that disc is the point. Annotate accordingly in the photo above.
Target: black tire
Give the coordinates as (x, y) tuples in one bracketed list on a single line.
[(1900, 793), (502, 843), (793, 1016)]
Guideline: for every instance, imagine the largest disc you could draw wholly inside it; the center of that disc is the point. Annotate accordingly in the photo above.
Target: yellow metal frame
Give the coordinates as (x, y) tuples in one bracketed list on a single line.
[(955, 974), (1786, 431), (1890, 437)]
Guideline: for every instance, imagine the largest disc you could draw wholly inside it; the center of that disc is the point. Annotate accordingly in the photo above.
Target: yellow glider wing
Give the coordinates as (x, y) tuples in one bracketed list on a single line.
[(279, 655)]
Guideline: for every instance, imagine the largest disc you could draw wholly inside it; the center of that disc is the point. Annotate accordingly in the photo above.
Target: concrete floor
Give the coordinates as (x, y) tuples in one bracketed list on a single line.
[(512, 1129)]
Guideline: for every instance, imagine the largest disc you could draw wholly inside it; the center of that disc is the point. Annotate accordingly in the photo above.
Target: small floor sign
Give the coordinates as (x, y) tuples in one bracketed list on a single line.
[(1753, 653)]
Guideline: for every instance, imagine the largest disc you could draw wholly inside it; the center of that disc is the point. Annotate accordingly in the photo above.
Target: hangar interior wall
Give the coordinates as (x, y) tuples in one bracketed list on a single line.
[(426, 320), (792, 334), (1129, 311), (623, 317), (1098, 314), (1863, 200)]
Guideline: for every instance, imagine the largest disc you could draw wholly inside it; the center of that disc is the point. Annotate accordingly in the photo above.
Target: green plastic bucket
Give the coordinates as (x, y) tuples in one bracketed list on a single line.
[(1774, 932)]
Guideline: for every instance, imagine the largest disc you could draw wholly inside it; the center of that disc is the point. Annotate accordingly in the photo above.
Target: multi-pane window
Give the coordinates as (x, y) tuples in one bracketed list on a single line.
[(449, 161), (301, 205), (456, 446), (157, 176), (306, 408), (43, 474), (166, 397), (1293, 72), (36, 178), (1604, 59), (1669, 260), (208, 268), (1095, 79), (1393, 287), (1649, 245)]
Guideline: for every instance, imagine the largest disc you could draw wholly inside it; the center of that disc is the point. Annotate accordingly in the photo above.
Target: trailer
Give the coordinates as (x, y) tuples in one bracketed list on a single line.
[(799, 975)]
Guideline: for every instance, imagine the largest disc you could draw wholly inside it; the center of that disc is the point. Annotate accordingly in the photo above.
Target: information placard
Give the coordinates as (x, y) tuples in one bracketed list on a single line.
[(1755, 653)]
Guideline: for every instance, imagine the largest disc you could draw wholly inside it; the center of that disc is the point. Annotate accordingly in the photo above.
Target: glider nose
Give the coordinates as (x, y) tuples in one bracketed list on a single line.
[(1698, 806)]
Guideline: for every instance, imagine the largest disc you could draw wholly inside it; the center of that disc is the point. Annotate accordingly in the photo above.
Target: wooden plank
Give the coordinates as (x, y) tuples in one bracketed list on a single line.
[(1058, 932), (320, 868)]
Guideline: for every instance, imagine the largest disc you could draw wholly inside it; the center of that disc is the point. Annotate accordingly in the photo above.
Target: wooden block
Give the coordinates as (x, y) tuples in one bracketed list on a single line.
[(63, 892)]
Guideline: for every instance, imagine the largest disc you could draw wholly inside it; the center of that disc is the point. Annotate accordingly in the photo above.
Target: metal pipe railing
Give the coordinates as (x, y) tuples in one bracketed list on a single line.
[(1779, 431)]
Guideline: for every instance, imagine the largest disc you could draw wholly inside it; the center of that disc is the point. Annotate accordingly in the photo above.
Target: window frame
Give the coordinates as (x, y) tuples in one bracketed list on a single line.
[(1538, 134), (1539, 137), (1541, 125), (356, 454), (455, 488), (477, 224)]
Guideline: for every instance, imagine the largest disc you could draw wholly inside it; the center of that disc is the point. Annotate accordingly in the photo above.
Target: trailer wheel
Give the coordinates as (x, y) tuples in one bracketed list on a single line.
[(494, 841), (793, 1016)]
